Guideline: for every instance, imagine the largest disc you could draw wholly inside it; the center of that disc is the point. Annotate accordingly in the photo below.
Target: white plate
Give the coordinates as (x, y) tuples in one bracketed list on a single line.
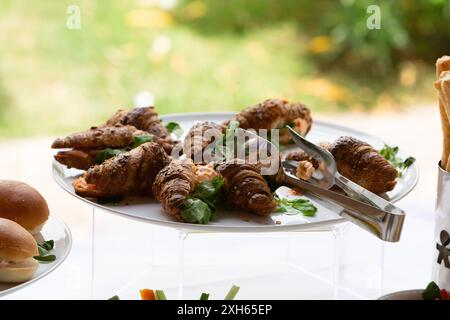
[(150, 211), (54, 229)]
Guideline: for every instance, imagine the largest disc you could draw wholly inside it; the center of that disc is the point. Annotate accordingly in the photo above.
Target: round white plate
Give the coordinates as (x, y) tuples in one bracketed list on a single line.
[(54, 229), (148, 210)]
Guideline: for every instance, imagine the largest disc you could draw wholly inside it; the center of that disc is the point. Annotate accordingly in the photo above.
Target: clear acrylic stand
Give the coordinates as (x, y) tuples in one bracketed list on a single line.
[(341, 262)]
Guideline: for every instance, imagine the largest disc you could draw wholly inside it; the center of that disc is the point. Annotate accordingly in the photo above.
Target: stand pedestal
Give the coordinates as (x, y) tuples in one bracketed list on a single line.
[(337, 263)]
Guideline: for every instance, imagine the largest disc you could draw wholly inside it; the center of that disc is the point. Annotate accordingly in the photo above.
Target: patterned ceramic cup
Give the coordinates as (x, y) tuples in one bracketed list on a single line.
[(441, 262)]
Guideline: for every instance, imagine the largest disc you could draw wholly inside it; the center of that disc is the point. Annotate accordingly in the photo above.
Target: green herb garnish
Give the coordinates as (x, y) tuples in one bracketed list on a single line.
[(116, 297), (106, 154), (432, 292), (174, 128), (138, 140), (208, 191), (160, 295), (232, 293), (204, 296), (194, 210), (44, 251), (200, 206), (390, 154), (296, 206)]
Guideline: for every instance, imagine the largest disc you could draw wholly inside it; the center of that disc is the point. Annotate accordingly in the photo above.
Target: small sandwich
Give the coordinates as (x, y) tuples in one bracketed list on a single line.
[(17, 249), (23, 204)]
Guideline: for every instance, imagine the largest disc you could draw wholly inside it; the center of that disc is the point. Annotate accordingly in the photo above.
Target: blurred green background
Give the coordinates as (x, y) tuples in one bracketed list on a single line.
[(211, 55)]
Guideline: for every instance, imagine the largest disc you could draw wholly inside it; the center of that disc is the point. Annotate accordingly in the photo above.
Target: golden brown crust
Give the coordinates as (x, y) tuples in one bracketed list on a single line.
[(129, 173), (245, 188), (117, 136), (361, 163), (23, 204), (144, 118), (173, 184), (276, 113), (199, 137), (16, 243)]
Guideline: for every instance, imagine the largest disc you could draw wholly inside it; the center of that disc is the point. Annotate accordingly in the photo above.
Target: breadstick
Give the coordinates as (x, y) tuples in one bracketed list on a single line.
[(443, 64), (444, 98)]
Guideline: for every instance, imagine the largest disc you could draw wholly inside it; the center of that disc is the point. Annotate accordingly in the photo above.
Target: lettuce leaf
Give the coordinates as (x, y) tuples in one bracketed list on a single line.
[(194, 210)]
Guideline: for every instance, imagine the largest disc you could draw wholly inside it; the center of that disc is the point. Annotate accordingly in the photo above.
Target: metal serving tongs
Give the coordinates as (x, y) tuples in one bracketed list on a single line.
[(363, 207)]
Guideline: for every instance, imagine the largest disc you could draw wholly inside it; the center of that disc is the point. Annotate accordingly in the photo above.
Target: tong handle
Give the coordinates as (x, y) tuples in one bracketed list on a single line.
[(355, 191), (385, 225)]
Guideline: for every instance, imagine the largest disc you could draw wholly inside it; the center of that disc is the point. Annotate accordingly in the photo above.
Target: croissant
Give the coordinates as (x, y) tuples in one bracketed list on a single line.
[(245, 188), (199, 137), (130, 173), (143, 118), (117, 136), (361, 163), (276, 113), (173, 184), (79, 159)]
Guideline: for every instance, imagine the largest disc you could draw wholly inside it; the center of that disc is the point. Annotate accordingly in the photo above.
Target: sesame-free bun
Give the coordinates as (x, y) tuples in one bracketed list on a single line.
[(17, 249), (23, 204)]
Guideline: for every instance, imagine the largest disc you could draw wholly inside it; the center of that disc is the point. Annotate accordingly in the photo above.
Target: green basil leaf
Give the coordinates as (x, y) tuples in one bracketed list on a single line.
[(296, 206), (432, 292), (138, 140), (174, 128), (208, 190), (194, 210), (409, 161), (106, 154), (45, 258), (390, 154), (48, 245), (42, 251)]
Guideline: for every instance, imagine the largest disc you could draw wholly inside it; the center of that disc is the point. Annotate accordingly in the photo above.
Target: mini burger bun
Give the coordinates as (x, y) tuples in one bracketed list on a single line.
[(23, 204), (17, 249)]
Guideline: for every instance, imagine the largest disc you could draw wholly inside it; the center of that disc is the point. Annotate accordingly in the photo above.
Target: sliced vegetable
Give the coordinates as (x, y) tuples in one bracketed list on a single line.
[(232, 293), (106, 154), (432, 292), (194, 210), (138, 140), (390, 154), (204, 296), (147, 294), (444, 295), (160, 295)]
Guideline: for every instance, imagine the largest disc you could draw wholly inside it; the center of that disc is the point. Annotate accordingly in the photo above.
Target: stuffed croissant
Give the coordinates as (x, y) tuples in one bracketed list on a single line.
[(245, 188), (130, 173), (188, 192), (276, 114), (361, 163)]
